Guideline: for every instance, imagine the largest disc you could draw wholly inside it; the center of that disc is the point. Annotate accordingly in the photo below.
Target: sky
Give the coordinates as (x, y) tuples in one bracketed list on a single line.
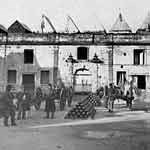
[(88, 14)]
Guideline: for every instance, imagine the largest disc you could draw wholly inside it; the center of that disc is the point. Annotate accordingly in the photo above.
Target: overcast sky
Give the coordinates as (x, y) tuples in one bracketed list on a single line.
[(88, 14)]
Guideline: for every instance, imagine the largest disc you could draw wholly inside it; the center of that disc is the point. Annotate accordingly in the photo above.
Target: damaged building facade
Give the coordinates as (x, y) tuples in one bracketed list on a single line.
[(29, 60)]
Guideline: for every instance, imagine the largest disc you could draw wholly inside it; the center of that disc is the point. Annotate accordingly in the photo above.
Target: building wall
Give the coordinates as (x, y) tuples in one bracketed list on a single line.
[(51, 52), (124, 61), (102, 53), (43, 60)]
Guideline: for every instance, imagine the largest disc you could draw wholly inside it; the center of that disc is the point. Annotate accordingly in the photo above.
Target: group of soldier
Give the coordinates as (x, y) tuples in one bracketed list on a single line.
[(113, 93), (15, 105), (21, 102)]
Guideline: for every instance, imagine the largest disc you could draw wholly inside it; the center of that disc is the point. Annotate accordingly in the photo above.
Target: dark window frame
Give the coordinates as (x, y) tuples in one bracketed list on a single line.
[(28, 56), (81, 51), (136, 57)]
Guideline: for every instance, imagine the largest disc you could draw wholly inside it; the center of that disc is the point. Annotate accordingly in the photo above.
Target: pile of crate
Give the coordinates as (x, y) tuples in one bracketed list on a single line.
[(83, 109)]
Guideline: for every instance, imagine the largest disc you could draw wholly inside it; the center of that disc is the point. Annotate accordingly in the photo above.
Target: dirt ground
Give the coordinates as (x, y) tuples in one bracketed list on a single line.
[(121, 130)]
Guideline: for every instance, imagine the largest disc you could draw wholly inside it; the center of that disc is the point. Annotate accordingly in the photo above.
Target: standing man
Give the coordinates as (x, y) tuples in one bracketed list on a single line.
[(69, 95), (130, 96), (20, 95), (111, 97), (63, 96), (50, 103), (8, 108), (24, 105), (39, 96)]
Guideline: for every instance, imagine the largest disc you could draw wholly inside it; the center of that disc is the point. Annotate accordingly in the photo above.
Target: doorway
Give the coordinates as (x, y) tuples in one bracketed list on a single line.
[(121, 77), (82, 80), (28, 82), (141, 82)]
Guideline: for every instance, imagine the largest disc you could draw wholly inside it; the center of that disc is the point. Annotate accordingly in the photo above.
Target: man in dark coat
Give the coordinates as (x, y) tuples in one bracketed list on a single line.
[(69, 96), (130, 96), (50, 103), (24, 105), (19, 104), (63, 96), (7, 107), (111, 97), (39, 96)]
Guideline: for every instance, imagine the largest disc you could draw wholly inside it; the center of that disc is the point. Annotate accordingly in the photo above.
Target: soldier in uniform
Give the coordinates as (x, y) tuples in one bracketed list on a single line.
[(111, 97), (50, 103), (8, 108), (63, 96), (69, 96), (39, 97), (24, 105), (130, 96)]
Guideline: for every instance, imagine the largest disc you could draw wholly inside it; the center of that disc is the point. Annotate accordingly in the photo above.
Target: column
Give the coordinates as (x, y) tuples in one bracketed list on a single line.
[(70, 74), (55, 65), (94, 78), (110, 65)]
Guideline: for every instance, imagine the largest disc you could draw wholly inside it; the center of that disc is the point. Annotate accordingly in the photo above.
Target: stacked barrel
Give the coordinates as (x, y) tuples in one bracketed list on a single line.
[(84, 109)]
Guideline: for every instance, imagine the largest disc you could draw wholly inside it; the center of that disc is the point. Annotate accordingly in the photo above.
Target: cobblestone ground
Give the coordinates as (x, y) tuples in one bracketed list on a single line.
[(121, 130)]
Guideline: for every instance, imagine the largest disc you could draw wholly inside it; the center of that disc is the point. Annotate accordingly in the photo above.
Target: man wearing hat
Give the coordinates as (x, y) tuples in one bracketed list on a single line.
[(63, 96), (111, 97), (50, 102)]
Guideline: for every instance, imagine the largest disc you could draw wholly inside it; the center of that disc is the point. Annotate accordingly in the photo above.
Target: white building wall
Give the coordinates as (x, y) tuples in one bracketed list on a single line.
[(101, 51), (44, 60), (128, 62)]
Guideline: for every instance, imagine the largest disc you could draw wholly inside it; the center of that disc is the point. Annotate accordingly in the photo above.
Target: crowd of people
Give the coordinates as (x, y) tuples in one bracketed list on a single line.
[(15, 105)]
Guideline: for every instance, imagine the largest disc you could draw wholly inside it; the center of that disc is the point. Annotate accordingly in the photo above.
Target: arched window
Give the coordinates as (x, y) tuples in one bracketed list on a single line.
[(82, 53)]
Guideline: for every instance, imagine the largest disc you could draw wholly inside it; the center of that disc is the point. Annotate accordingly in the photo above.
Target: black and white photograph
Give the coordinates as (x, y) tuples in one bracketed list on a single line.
[(75, 75)]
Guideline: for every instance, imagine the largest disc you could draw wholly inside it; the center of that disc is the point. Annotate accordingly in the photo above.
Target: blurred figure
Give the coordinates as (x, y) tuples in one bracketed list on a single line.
[(100, 94), (63, 96), (69, 95), (111, 97), (19, 104), (50, 103), (130, 96), (38, 98), (7, 107), (24, 105)]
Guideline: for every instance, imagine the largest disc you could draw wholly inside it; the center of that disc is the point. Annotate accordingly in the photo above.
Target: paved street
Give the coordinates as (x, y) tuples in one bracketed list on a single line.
[(123, 129)]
